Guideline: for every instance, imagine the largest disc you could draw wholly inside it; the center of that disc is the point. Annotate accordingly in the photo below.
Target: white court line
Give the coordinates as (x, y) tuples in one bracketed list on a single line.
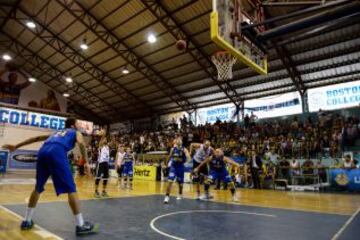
[(342, 229), (152, 223), (42, 231), (20, 181), (85, 199)]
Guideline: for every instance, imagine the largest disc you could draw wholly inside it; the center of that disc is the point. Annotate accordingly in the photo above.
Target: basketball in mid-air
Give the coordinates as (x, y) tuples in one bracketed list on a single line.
[(181, 45)]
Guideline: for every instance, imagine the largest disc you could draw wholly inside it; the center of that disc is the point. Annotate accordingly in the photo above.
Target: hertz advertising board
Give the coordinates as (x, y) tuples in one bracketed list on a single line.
[(145, 173)]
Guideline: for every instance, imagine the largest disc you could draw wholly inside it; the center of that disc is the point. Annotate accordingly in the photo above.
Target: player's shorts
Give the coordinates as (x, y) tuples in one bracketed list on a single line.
[(102, 170), (128, 169), (202, 172), (221, 174), (120, 170), (178, 172), (52, 161)]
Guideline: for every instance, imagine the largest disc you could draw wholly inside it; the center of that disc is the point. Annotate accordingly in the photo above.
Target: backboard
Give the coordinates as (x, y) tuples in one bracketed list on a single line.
[(226, 20)]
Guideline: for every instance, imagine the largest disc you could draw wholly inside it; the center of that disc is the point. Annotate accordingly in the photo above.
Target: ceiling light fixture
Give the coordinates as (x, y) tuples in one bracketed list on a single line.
[(6, 57), (31, 79), (68, 80), (66, 95), (151, 38), (125, 71), (83, 45), (30, 24)]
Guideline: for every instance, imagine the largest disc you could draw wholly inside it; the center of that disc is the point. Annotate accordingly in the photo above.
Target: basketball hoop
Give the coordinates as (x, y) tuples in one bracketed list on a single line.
[(224, 62)]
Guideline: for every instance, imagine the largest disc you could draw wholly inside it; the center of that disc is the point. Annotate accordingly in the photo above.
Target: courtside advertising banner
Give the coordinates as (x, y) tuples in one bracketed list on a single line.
[(3, 160), (275, 106), (345, 178), (334, 97), (23, 159), (145, 172)]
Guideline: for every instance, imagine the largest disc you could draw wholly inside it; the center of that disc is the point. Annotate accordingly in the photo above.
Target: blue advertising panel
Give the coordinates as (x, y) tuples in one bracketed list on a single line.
[(3, 160), (23, 159), (346, 178)]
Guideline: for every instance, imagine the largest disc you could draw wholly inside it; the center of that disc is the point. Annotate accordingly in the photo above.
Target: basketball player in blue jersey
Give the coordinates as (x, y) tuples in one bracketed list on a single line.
[(218, 170), (52, 161), (178, 157), (203, 152), (127, 173)]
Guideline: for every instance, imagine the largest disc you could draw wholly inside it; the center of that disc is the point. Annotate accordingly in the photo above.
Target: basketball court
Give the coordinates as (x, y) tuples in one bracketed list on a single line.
[(190, 219), (140, 214), (130, 62)]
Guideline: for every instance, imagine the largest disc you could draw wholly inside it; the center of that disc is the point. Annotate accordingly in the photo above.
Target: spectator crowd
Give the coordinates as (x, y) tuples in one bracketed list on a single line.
[(261, 145)]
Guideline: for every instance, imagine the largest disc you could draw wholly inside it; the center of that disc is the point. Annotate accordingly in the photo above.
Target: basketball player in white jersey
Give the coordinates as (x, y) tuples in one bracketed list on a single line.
[(203, 151), (119, 163), (102, 171)]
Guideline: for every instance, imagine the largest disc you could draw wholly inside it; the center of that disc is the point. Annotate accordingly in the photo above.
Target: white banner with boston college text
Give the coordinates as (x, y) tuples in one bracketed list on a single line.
[(334, 96), (212, 114)]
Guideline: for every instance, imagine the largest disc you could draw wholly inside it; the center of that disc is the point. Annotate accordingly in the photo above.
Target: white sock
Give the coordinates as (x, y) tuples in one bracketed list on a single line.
[(29, 214), (79, 220)]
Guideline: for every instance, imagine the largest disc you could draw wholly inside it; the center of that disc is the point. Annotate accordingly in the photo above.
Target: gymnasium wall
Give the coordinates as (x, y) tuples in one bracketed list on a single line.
[(15, 134), (31, 124), (167, 119), (120, 127), (35, 95), (142, 124), (340, 98), (18, 124)]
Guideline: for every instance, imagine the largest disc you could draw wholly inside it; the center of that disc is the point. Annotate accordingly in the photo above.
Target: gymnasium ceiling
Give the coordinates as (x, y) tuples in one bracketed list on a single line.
[(163, 79)]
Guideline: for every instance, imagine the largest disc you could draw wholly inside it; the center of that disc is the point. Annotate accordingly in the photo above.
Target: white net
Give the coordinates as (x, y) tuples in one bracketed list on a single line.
[(224, 62)]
